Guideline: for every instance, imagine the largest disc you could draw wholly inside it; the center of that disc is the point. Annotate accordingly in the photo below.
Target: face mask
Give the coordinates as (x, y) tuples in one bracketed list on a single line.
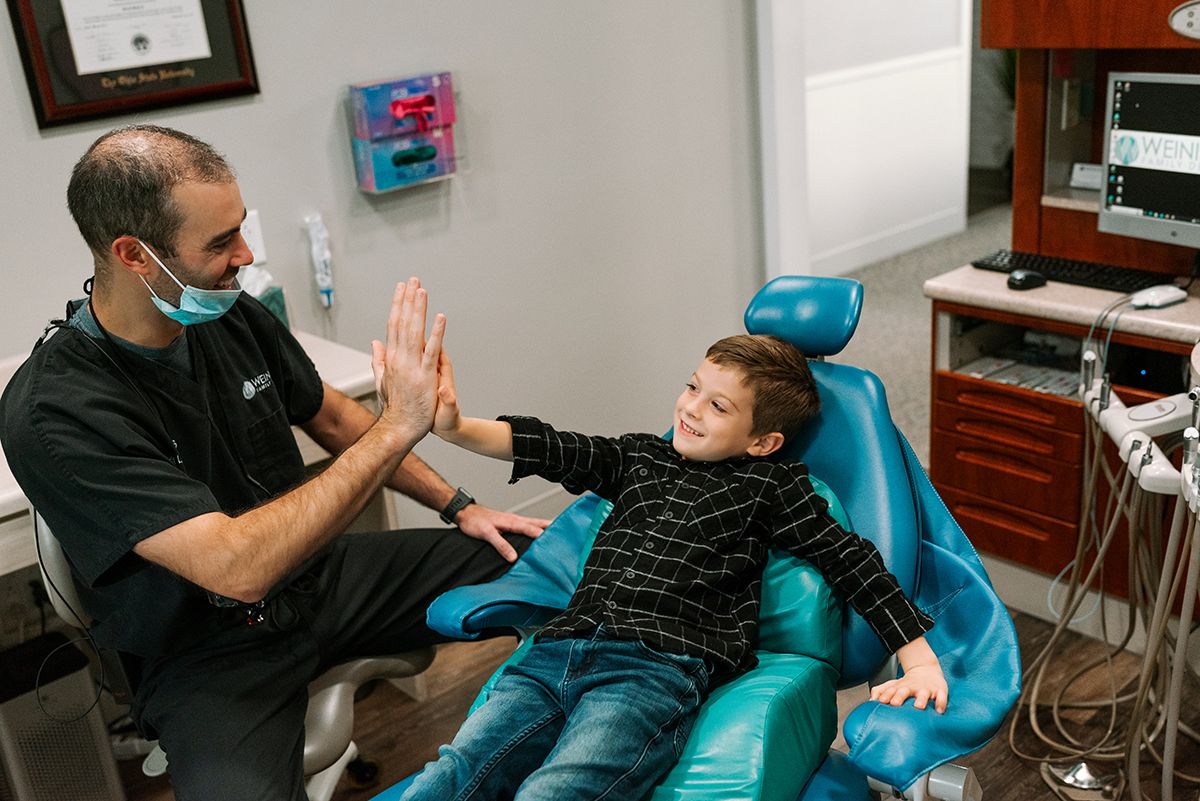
[(195, 305)]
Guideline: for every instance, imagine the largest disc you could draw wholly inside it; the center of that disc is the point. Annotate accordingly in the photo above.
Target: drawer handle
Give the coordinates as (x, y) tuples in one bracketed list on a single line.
[(995, 402), (1002, 434), (1000, 520), (997, 461)]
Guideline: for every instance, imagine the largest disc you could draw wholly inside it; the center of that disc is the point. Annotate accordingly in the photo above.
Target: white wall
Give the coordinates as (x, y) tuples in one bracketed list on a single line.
[(605, 231), (885, 107), (784, 131)]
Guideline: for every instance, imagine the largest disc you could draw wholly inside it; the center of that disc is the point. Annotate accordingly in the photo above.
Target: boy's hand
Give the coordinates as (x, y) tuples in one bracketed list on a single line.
[(922, 679), (447, 417)]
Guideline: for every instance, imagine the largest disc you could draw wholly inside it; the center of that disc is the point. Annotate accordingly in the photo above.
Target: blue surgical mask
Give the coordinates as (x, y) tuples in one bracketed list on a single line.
[(195, 305)]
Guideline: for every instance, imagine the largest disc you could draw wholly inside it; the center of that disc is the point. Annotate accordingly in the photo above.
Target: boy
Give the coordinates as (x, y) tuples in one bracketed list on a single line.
[(602, 703)]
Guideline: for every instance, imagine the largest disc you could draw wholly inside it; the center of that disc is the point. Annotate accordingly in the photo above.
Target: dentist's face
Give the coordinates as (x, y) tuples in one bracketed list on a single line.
[(209, 248), (714, 415)]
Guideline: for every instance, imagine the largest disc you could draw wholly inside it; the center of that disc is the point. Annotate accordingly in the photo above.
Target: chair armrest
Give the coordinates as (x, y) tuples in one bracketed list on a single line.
[(975, 641), (534, 589)]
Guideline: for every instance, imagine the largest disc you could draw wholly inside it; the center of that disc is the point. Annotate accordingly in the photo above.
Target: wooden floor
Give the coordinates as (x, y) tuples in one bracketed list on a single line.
[(402, 734), (1005, 777), (389, 727)]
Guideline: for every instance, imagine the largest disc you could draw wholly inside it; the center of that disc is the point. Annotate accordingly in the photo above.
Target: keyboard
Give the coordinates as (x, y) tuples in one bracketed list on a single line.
[(1069, 271)]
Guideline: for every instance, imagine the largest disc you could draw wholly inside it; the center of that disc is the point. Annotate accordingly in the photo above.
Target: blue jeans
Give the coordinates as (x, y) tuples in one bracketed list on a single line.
[(594, 718)]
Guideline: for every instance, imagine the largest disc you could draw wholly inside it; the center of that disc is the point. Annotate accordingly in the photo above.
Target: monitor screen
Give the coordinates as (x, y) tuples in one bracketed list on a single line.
[(1152, 157)]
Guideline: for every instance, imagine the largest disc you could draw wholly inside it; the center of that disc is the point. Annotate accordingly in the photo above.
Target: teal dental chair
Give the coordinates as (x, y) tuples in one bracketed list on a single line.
[(765, 736)]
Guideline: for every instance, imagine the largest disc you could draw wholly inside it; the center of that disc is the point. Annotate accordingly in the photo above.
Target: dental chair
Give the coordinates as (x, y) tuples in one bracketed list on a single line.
[(329, 750), (766, 734)]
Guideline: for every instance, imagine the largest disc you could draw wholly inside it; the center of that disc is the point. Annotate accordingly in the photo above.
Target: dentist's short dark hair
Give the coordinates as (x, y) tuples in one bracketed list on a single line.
[(122, 185)]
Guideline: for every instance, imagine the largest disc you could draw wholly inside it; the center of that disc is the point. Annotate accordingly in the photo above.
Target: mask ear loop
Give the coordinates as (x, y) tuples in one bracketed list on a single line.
[(159, 262)]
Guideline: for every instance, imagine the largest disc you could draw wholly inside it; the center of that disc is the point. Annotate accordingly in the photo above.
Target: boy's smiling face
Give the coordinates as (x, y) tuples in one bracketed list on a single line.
[(714, 417)]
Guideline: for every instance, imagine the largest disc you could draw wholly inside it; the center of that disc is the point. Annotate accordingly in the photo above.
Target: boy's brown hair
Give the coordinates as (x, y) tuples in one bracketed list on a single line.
[(785, 392)]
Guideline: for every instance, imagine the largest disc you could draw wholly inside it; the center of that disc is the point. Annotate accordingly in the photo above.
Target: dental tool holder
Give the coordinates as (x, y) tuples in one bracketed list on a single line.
[(1132, 429), (1191, 469)]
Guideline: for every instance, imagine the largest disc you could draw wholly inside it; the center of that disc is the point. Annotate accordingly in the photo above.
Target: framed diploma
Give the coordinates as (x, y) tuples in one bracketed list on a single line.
[(86, 59)]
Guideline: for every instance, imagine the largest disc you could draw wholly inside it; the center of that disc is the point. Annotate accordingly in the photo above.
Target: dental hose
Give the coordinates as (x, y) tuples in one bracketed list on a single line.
[(1154, 577), (1097, 750), (1143, 558), (1178, 666), (1092, 467), (1075, 599), (1167, 587)]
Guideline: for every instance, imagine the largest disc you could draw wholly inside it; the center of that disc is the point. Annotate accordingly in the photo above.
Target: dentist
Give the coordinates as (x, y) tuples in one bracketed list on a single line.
[(152, 432)]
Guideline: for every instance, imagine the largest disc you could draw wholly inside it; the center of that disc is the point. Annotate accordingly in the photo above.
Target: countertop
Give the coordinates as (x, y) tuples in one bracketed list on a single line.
[(1067, 303)]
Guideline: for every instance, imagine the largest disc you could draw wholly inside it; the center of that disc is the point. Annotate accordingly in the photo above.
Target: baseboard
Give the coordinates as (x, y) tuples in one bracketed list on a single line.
[(891, 242), (1027, 590)]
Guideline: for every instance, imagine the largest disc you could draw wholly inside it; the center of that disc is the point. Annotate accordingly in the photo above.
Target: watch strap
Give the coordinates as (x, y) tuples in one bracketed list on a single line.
[(461, 500)]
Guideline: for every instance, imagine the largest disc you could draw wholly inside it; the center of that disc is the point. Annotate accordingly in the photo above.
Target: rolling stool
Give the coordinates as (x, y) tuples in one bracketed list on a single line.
[(329, 749)]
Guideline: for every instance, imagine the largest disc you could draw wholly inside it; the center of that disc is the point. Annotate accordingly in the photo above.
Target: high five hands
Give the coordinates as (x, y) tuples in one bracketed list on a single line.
[(407, 380), (406, 365)]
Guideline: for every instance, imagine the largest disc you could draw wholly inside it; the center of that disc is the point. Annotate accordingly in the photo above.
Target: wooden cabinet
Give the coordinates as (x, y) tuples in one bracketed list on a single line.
[(1078, 43), (1080, 23), (1007, 460)]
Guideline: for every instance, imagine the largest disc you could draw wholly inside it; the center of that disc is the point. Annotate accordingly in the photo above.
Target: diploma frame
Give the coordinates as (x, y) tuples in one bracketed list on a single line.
[(61, 95)]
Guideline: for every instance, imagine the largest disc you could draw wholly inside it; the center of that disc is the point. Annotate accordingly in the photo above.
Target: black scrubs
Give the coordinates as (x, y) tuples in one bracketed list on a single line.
[(112, 448)]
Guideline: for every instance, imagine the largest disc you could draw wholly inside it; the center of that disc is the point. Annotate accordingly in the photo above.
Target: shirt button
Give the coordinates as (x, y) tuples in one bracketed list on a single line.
[(611, 604), (669, 514), (650, 545), (629, 574), (643, 471)]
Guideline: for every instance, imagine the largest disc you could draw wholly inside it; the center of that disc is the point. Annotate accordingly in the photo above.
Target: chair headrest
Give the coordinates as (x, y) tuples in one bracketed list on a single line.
[(817, 314)]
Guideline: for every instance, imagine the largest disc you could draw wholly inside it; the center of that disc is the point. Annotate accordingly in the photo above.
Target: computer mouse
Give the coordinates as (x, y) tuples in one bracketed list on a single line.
[(1025, 279)]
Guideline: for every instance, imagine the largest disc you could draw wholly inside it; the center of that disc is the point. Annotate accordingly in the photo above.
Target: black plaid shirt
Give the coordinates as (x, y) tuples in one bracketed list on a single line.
[(678, 563)]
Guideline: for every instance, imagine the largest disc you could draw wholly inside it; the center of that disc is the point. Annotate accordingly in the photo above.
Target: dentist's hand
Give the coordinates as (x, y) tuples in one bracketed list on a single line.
[(405, 366), (488, 525)]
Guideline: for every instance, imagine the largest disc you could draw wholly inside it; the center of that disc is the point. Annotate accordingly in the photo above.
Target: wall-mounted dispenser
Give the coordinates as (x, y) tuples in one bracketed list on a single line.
[(403, 131)]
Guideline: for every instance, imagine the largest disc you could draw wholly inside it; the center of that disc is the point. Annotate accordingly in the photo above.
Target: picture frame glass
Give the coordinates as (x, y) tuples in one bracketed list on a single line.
[(94, 58)]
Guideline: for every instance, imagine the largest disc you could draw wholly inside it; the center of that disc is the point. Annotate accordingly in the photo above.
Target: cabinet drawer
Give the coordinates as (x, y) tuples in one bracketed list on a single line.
[(1063, 414), (1014, 533), (1045, 486), (999, 430)]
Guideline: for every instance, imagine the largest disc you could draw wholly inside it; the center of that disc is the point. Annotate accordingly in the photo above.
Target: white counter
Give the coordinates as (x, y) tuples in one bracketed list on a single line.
[(1066, 303)]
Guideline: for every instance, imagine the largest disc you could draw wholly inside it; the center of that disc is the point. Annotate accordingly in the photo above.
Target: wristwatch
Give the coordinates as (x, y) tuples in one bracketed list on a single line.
[(461, 500)]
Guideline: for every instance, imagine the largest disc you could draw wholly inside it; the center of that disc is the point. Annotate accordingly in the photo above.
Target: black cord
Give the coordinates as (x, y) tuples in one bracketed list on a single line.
[(87, 635)]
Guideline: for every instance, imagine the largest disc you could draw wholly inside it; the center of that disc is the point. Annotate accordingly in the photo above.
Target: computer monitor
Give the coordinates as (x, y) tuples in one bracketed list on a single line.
[(1151, 184)]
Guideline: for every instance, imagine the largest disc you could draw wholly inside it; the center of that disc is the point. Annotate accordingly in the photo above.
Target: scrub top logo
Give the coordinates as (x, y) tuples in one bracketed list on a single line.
[(253, 386), (1126, 150)]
